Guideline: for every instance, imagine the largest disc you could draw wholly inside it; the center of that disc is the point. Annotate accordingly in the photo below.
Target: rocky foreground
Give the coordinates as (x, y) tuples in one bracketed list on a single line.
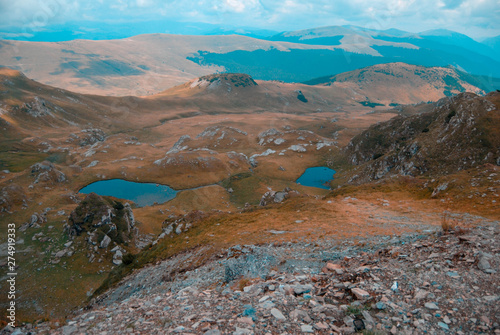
[(428, 283)]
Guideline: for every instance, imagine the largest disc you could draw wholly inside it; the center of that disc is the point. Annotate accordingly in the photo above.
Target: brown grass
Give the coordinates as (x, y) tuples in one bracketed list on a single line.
[(445, 222)]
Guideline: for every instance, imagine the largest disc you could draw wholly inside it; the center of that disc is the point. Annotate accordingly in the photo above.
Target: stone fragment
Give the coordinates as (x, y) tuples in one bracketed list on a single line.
[(368, 318), (277, 314), (443, 325), (431, 305), (105, 242), (420, 294), (360, 294), (306, 329)]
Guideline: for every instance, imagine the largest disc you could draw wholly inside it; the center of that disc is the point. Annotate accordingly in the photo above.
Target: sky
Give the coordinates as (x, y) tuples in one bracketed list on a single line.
[(475, 18)]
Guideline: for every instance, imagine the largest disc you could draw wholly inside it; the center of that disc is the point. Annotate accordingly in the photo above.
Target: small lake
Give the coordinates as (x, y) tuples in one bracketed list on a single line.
[(317, 177), (142, 194)]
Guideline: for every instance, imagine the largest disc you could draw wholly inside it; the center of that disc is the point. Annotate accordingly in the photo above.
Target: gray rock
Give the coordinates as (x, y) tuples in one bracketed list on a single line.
[(483, 264), (212, 332), (60, 254), (68, 330), (368, 318), (105, 242), (431, 305), (242, 331), (299, 289), (491, 298), (307, 329), (360, 293), (179, 329), (443, 325), (267, 304), (277, 314), (420, 294), (300, 315)]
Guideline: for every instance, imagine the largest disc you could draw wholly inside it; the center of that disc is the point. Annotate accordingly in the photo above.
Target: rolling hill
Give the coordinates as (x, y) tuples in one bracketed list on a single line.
[(402, 83), (148, 64)]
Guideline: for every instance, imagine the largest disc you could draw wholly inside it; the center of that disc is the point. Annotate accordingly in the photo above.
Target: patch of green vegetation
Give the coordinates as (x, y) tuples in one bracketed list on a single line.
[(447, 93), (179, 116), (453, 84), (354, 310), (450, 115), (57, 158), (370, 104), (17, 161), (302, 98)]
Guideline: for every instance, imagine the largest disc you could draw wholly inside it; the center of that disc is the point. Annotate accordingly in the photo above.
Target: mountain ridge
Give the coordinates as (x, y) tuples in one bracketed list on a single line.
[(112, 67)]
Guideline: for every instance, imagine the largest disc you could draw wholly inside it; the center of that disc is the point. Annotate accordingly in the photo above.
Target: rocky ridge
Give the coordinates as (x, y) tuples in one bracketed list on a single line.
[(459, 133)]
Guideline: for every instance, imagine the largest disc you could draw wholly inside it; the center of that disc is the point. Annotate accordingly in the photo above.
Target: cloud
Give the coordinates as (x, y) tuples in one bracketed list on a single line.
[(468, 16), (452, 4)]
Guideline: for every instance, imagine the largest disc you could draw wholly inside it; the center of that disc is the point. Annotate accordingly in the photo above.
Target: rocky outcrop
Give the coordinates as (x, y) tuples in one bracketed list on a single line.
[(459, 133), (47, 172), (91, 136), (225, 80), (88, 136), (272, 197), (38, 107), (103, 220)]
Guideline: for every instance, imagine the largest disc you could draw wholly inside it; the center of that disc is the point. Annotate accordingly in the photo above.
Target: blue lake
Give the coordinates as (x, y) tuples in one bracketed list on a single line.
[(317, 177), (142, 194)]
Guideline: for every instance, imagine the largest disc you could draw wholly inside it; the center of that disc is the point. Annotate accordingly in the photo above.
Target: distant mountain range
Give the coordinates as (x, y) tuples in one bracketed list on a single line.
[(148, 64)]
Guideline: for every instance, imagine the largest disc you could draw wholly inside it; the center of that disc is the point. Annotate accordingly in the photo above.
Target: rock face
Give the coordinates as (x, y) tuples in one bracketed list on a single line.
[(104, 220), (459, 133)]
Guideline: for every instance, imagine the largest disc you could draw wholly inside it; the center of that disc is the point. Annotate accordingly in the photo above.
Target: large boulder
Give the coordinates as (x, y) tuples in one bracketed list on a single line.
[(104, 219)]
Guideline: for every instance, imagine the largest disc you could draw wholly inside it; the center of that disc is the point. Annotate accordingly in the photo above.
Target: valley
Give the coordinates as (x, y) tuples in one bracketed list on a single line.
[(233, 147)]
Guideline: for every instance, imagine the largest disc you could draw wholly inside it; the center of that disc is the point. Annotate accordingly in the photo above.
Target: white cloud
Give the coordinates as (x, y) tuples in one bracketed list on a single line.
[(478, 17)]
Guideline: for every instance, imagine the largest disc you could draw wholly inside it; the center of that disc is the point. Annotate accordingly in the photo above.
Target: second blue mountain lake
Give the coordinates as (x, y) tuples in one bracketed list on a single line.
[(317, 177)]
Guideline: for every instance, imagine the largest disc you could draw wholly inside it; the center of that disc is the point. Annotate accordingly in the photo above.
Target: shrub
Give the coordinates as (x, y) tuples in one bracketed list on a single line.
[(128, 258), (445, 222)]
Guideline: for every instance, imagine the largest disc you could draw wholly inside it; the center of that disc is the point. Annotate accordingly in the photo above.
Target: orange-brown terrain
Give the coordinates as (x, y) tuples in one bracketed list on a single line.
[(403, 166)]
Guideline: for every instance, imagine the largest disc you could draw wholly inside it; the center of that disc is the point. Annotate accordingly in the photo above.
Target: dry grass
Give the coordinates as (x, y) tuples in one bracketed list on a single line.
[(445, 222)]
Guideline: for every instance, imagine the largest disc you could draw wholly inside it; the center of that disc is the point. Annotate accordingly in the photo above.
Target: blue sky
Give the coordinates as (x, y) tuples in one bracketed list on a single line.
[(476, 18)]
